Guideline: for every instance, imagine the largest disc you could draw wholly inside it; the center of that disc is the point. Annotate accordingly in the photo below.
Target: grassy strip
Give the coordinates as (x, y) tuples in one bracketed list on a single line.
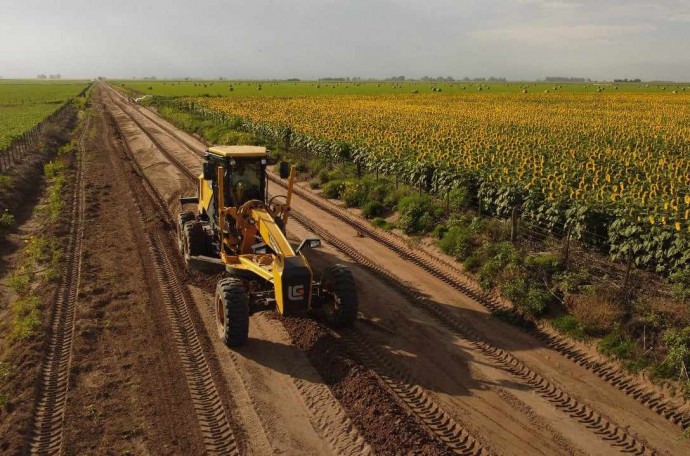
[(41, 255), (32, 282), (643, 332)]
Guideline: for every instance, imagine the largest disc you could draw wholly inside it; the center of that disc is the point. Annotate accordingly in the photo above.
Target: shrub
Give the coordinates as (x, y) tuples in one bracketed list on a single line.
[(497, 230), (459, 198), (472, 263), (599, 310), (458, 241), (571, 281), (395, 195), (677, 342), (681, 285), (543, 265), (333, 189), (372, 209), (496, 258), (527, 295), (323, 176), (53, 168), (417, 214), (354, 193), (316, 166), (301, 167), (379, 190)]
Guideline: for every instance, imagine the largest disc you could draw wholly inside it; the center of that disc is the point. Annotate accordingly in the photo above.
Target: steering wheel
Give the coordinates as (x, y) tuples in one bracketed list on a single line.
[(272, 205), (247, 207)]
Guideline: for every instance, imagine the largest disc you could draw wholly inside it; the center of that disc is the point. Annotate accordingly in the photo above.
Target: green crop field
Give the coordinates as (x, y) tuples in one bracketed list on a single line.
[(259, 88), (24, 104), (581, 155)]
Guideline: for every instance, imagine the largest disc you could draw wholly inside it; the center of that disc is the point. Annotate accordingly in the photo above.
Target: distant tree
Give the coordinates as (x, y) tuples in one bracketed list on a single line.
[(41, 76)]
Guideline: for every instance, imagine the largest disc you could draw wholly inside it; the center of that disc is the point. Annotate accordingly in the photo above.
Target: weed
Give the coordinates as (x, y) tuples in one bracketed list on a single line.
[(6, 221), (382, 223), (617, 346), (26, 317), (5, 182), (568, 324), (53, 168), (677, 342), (372, 209), (5, 371), (20, 281), (681, 285), (4, 401)]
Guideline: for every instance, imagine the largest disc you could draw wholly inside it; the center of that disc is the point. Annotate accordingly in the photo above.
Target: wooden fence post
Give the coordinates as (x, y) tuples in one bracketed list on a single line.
[(514, 225), (566, 253)]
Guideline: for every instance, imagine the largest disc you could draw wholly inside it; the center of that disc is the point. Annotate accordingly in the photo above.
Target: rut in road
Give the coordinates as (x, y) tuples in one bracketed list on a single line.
[(46, 429), (440, 423), (216, 431), (325, 413), (575, 409)]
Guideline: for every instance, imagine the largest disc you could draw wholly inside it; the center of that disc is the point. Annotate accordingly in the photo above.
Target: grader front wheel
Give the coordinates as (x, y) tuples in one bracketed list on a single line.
[(232, 312), (341, 302)]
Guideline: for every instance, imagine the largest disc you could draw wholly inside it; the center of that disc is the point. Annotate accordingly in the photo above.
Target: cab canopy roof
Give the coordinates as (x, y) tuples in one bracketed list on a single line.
[(238, 151)]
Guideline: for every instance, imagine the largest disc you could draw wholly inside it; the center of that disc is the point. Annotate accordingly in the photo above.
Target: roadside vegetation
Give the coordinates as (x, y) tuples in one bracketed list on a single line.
[(38, 189), (546, 278)]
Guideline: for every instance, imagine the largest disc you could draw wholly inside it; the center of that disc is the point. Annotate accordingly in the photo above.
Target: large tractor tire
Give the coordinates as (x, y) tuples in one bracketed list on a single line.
[(182, 219), (194, 239), (341, 302), (232, 312)]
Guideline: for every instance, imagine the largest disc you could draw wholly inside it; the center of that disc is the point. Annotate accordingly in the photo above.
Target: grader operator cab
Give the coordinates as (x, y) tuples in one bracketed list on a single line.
[(239, 230)]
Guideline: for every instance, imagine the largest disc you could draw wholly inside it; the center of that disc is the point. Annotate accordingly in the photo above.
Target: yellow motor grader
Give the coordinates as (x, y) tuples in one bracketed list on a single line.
[(239, 230)]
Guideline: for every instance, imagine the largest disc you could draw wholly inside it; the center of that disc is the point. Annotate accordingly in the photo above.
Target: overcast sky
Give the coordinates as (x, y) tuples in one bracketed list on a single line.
[(517, 39)]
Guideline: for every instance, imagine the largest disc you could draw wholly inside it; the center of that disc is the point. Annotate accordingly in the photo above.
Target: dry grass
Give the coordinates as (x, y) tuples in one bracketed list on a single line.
[(599, 311)]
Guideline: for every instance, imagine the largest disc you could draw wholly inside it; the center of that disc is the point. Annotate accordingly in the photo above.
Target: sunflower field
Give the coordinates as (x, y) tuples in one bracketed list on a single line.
[(609, 168)]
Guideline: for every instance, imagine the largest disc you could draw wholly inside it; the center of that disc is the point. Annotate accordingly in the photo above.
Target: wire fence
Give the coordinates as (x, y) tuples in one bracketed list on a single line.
[(20, 146)]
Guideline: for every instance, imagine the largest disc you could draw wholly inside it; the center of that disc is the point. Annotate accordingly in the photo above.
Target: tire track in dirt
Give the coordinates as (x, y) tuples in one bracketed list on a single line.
[(46, 429), (422, 404), (326, 414), (585, 414), (218, 436), (439, 268)]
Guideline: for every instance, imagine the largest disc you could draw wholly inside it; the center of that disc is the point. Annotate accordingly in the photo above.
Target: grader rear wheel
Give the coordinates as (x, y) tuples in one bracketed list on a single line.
[(194, 239), (341, 302), (182, 219), (232, 312)]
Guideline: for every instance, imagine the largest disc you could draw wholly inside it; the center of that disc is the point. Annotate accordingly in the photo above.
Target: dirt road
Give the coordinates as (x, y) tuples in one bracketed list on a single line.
[(426, 370)]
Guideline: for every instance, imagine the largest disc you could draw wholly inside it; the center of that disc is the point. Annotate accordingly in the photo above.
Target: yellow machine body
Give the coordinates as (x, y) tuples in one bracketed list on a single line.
[(248, 229)]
